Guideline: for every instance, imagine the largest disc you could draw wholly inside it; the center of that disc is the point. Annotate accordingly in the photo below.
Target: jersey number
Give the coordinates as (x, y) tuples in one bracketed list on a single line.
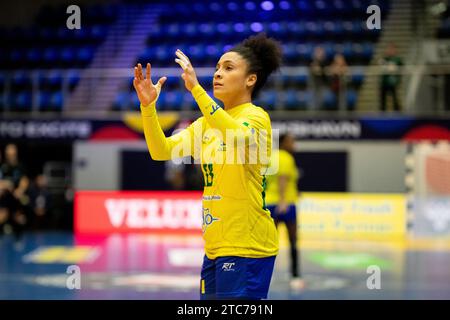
[(209, 175)]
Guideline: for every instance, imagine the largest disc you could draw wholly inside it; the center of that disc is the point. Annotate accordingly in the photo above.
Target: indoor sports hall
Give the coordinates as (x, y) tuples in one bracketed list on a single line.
[(363, 90)]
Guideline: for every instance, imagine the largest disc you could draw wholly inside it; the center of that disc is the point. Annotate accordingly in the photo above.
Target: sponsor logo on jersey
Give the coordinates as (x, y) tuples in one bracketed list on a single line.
[(208, 219)]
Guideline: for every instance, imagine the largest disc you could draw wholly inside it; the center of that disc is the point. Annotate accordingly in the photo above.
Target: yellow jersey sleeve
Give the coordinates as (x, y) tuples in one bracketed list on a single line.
[(217, 117), (182, 144)]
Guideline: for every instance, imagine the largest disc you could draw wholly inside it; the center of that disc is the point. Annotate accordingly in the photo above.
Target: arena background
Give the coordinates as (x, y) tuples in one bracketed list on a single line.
[(93, 217)]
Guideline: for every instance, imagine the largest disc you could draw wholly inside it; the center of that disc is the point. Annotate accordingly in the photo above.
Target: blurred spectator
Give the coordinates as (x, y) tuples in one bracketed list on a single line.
[(7, 205), (12, 216), (390, 78), (11, 169), (14, 201), (317, 70), (194, 177), (338, 71), (39, 203), (175, 175)]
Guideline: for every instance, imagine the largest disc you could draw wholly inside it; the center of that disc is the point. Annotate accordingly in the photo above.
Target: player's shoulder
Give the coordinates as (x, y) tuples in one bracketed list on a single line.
[(199, 122), (256, 114), (285, 156), (259, 111)]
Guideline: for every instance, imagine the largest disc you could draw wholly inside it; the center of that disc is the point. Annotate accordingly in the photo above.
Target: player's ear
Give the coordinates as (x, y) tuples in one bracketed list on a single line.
[(251, 80)]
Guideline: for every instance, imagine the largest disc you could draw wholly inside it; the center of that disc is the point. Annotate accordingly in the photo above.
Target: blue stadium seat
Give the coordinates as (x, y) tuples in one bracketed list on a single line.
[(329, 100), (197, 53), (189, 30), (225, 30), (357, 77), (85, 55), (267, 99), (174, 100), (189, 101), (16, 57), (163, 54), (56, 101), (314, 29), (206, 81), (67, 55), (50, 56), (291, 55), (305, 8), (22, 101), (62, 35), (43, 100), (279, 30), (54, 78), (160, 104), (206, 30), (172, 81), (80, 35), (34, 56), (134, 103), (296, 30), (73, 78), (214, 52), (301, 79), (290, 99), (122, 101), (329, 50), (367, 52), (347, 51), (147, 55), (173, 31), (21, 79), (98, 33), (351, 99)]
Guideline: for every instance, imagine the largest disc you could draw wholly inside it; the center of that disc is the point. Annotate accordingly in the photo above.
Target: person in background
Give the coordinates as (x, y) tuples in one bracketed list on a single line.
[(14, 200), (337, 72), (282, 195), (39, 203), (11, 168), (390, 79), (319, 81)]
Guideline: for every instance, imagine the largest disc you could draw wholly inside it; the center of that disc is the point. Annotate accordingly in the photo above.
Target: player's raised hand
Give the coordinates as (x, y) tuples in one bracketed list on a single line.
[(147, 91), (188, 75)]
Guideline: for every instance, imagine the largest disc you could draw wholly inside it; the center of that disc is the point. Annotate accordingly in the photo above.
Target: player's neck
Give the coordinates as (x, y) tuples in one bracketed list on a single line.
[(227, 105)]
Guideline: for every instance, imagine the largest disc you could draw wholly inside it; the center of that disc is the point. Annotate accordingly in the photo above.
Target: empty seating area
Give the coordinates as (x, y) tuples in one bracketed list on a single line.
[(52, 53), (40, 65), (205, 30)]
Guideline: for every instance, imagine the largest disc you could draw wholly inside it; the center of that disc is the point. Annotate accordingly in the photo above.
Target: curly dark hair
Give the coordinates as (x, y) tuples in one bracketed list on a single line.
[(263, 56)]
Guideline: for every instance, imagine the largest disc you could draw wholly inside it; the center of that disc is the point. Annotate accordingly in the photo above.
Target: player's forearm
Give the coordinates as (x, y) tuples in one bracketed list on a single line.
[(216, 116), (157, 143), (282, 186)]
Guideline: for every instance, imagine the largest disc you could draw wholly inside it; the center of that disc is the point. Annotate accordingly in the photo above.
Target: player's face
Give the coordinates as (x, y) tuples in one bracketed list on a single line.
[(288, 143), (231, 79)]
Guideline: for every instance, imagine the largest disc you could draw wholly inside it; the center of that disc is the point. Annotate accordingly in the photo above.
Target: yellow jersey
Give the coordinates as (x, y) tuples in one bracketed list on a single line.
[(286, 167), (235, 220)]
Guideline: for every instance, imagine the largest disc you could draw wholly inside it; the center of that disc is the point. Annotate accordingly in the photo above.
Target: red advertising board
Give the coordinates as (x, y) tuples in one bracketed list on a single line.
[(125, 211)]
